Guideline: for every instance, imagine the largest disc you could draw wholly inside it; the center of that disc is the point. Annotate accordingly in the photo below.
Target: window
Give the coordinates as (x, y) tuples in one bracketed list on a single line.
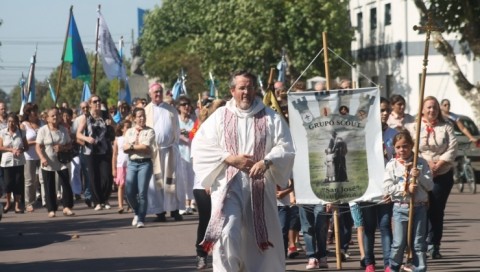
[(388, 14), (373, 18), (360, 22)]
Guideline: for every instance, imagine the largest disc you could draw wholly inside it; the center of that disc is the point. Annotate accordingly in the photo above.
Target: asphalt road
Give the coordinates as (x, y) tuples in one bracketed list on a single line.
[(105, 241)]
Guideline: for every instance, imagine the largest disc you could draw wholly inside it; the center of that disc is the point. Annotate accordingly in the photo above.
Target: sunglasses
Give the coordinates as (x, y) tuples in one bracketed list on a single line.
[(96, 101)]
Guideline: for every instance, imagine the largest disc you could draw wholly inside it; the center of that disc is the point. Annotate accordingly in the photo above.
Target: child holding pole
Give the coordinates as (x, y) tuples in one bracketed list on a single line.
[(399, 173)]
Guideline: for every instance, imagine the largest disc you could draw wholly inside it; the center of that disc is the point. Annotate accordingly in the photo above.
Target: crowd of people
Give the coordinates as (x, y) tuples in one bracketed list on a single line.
[(231, 161)]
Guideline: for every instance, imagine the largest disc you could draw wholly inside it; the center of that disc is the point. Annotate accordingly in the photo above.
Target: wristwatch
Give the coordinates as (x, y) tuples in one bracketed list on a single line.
[(267, 163)]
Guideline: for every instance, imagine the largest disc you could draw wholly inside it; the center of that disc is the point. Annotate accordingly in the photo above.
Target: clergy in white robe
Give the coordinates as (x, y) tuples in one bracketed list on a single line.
[(242, 152), (165, 192)]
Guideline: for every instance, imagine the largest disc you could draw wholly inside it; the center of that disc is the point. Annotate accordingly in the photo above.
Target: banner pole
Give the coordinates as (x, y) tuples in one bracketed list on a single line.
[(94, 83), (325, 58)]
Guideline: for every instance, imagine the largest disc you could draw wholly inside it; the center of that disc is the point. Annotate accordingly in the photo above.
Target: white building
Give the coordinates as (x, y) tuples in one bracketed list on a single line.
[(387, 50)]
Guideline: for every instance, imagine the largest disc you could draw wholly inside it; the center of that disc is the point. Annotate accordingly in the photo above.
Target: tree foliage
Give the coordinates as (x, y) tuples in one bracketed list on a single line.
[(459, 16), (222, 36)]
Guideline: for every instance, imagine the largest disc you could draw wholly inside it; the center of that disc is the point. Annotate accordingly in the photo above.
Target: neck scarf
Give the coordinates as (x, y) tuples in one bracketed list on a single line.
[(257, 189), (430, 128), (408, 165)]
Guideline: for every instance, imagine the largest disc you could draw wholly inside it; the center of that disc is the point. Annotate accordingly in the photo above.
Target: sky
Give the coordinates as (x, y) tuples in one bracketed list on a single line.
[(44, 22)]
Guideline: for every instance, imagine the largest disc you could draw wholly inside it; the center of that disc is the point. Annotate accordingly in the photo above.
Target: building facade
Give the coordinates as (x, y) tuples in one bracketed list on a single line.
[(390, 53)]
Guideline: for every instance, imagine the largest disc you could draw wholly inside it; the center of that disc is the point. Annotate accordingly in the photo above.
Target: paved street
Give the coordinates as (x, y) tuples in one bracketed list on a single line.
[(105, 241)]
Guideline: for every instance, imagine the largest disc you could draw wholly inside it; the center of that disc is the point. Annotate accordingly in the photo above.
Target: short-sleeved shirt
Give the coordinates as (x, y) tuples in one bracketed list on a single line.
[(146, 136), (48, 138), (12, 141)]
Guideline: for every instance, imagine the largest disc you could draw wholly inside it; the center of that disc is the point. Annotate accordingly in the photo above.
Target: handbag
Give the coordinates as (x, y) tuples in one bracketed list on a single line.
[(64, 156)]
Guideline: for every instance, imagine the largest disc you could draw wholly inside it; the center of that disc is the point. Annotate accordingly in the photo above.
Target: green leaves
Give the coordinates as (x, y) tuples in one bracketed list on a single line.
[(222, 36)]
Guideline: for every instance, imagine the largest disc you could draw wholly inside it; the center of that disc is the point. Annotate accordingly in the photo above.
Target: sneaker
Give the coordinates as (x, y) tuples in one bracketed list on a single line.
[(201, 262), (345, 255), (362, 263), (98, 207), (140, 225), (88, 202), (135, 220), (160, 218), (178, 217), (370, 268), (387, 269), (188, 211), (435, 254), (107, 206), (292, 252), (182, 212), (322, 263), (312, 264)]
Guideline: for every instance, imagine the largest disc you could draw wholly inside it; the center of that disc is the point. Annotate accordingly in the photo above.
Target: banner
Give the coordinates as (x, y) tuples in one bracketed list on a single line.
[(338, 138)]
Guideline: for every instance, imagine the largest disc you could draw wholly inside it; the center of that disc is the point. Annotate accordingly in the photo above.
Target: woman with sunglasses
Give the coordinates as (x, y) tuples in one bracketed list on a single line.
[(186, 125), (92, 130), (455, 119)]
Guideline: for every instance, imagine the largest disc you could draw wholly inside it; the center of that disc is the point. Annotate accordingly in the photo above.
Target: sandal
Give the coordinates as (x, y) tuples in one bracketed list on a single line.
[(30, 208), (120, 210), (51, 214), (68, 212), (6, 209)]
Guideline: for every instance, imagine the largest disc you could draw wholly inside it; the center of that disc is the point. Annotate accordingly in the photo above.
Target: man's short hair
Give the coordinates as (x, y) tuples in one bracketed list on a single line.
[(244, 73)]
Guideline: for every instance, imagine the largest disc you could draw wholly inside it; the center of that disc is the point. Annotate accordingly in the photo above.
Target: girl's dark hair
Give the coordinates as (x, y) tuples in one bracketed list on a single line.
[(403, 134), (134, 112), (27, 109), (120, 126), (14, 116), (397, 98)]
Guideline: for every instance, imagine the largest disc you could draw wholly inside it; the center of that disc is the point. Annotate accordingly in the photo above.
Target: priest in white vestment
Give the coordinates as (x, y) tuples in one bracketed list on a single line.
[(165, 192), (242, 152)]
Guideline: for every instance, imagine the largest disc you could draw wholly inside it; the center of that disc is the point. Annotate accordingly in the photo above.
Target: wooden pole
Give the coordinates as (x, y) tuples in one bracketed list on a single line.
[(336, 227), (94, 80), (428, 28), (325, 58), (59, 79)]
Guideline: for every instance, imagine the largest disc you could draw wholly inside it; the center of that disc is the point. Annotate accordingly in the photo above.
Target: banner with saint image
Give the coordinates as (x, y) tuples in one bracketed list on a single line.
[(338, 139)]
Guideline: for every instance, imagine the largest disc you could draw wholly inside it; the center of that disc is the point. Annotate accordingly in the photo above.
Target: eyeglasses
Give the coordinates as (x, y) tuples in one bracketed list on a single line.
[(96, 101), (184, 104)]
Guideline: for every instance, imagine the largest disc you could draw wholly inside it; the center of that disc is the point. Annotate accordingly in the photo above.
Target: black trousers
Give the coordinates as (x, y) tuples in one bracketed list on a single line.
[(204, 207), (51, 190), (99, 169), (14, 180), (442, 185)]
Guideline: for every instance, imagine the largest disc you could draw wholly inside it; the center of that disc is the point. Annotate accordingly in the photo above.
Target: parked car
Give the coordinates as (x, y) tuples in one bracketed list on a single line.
[(472, 150)]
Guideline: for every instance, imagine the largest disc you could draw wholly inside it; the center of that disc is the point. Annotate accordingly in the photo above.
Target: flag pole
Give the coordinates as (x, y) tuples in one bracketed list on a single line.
[(428, 28), (63, 56), (94, 85), (336, 219)]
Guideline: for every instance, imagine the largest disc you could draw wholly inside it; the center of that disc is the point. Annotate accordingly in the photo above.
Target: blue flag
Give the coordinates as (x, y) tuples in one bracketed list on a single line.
[(141, 14), (179, 87), (75, 54), (52, 91), (85, 92), (124, 93)]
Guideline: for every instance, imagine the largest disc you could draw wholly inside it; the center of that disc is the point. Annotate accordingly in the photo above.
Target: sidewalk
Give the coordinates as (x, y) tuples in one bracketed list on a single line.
[(105, 241)]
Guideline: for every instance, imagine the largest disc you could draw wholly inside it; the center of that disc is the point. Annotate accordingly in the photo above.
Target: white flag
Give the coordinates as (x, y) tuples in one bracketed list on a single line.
[(111, 60)]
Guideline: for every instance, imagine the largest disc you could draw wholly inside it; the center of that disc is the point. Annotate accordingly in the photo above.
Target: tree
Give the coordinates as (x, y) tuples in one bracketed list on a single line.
[(462, 17), (245, 34)]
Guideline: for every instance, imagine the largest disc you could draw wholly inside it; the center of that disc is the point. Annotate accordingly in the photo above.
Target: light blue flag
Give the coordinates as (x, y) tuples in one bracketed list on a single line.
[(282, 68), (117, 117), (124, 93), (52, 91), (86, 93), (140, 16)]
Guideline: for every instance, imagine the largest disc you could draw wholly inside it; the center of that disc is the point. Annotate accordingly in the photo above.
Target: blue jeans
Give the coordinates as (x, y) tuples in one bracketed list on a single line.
[(346, 224), (83, 168), (400, 228), (313, 222), (380, 214), (284, 216), (138, 178)]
